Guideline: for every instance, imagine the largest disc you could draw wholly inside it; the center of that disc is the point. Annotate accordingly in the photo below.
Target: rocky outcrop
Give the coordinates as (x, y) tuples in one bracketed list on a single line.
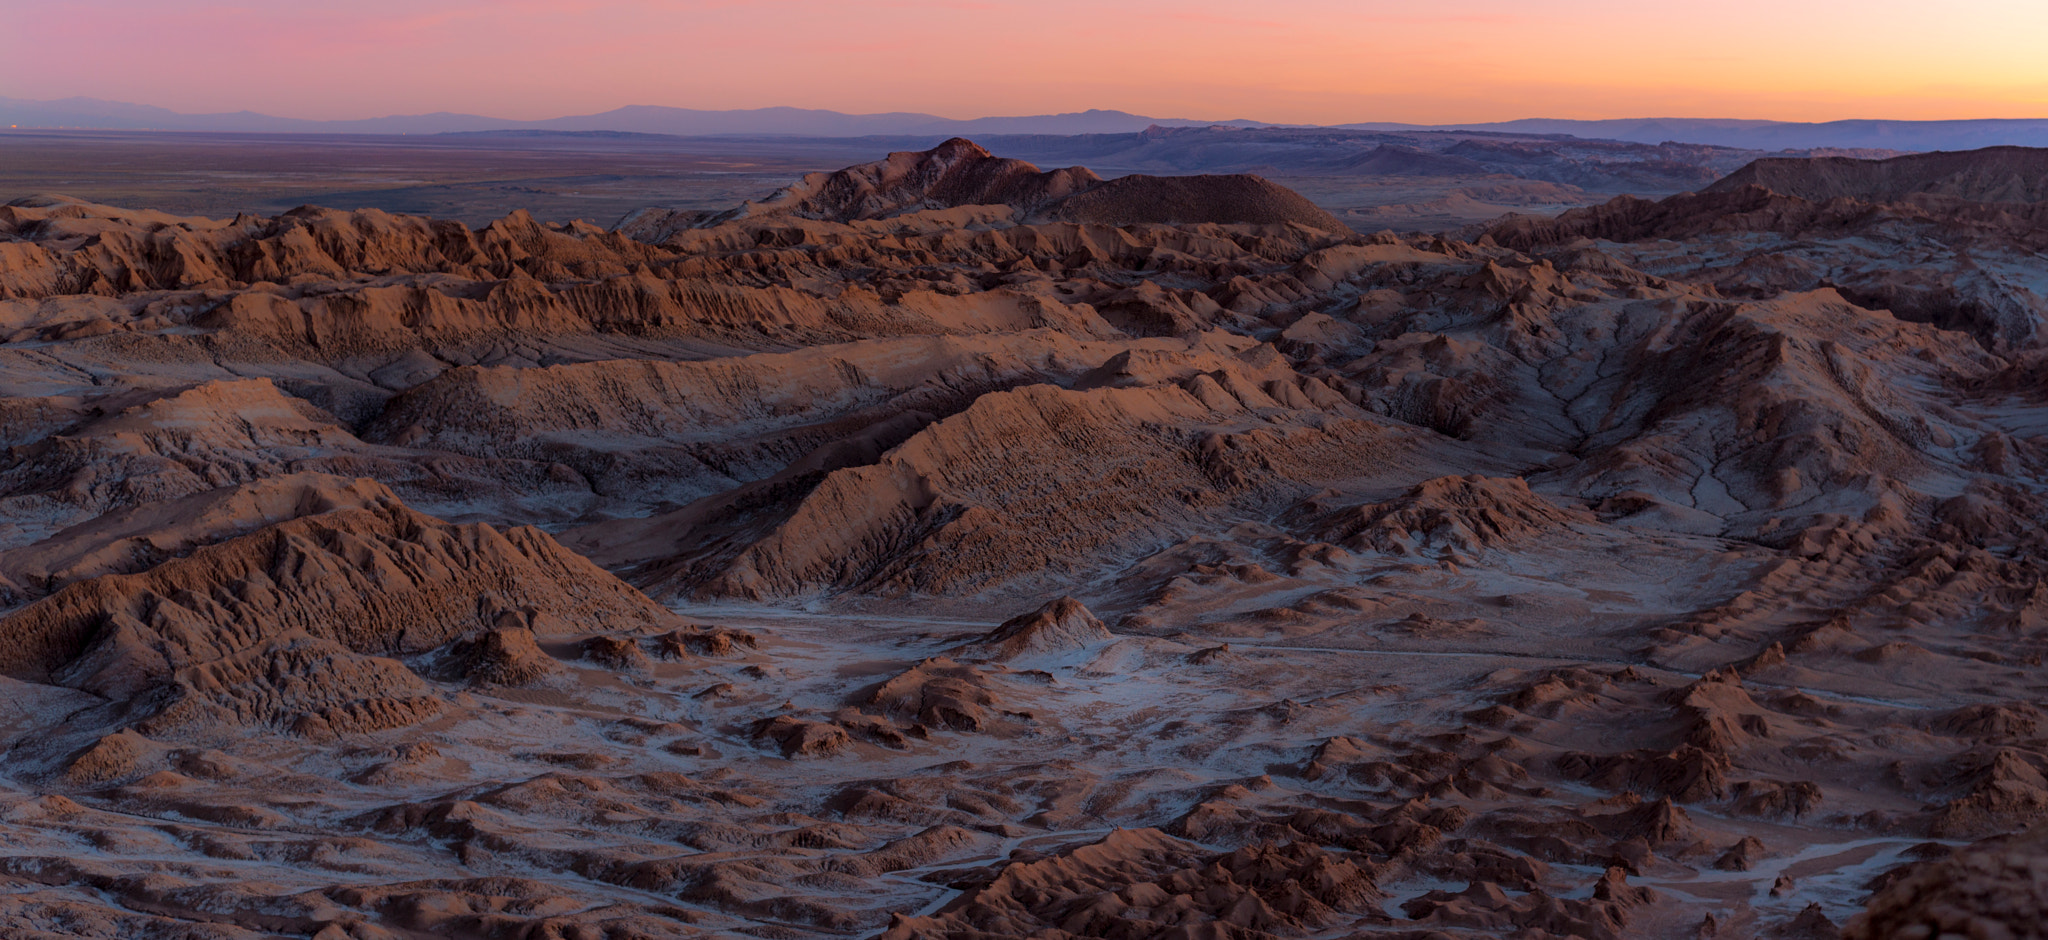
[(1144, 884), (1997, 888), (384, 579), (292, 627), (961, 173), (134, 539), (942, 511), (1800, 225), (958, 172), (1226, 200), (1465, 515)]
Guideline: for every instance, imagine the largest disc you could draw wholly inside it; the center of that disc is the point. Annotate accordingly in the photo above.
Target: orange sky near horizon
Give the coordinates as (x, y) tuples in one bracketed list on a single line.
[(1306, 61)]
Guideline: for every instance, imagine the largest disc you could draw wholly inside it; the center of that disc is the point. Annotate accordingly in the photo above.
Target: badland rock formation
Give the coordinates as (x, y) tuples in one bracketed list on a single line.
[(947, 548)]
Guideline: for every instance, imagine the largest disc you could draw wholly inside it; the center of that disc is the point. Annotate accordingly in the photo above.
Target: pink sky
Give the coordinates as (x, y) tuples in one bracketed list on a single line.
[(1313, 61)]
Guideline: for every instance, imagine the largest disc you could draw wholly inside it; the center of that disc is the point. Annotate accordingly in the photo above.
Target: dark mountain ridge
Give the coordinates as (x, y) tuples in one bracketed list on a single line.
[(1993, 174)]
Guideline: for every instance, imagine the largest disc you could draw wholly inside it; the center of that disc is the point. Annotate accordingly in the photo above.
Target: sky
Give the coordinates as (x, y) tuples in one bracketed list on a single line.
[(1297, 61)]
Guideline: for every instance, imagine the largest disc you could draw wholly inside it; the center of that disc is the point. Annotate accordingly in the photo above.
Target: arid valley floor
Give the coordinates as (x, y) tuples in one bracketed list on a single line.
[(948, 548)]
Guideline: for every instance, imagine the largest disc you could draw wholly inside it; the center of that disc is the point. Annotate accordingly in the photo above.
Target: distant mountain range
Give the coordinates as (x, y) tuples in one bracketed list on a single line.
[(802, 122), (641, 119), (1775, 135)]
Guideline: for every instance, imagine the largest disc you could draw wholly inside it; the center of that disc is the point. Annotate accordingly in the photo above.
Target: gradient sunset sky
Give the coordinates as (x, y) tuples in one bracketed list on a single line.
[(1310, 61)]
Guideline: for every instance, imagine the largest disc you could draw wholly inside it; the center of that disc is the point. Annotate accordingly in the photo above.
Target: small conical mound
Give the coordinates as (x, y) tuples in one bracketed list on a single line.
[(1060, 625)]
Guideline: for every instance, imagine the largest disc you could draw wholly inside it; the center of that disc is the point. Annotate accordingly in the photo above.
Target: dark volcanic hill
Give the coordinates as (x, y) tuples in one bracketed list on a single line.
[(955, 173), (960, 173), (1237, 199)]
